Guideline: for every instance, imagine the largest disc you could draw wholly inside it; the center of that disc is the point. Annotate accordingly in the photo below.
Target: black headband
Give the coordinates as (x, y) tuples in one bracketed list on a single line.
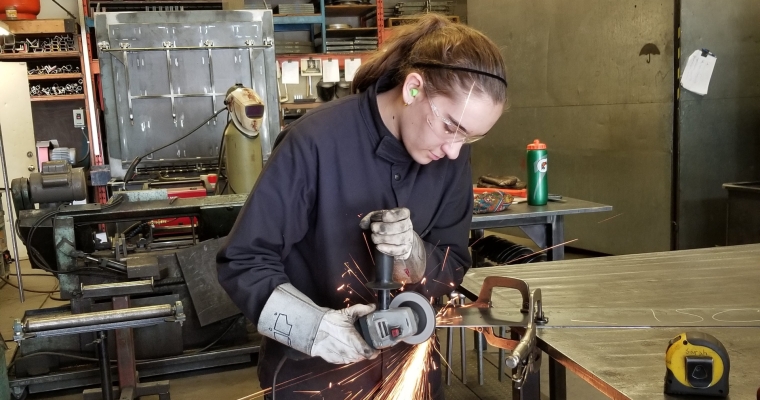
[(465, 69)]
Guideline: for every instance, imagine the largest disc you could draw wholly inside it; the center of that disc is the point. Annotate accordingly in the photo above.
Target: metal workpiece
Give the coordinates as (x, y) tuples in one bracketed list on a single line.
[(164, 72), (32, 325), (480, 316), (143, 267), (117, 289), (631, 306)]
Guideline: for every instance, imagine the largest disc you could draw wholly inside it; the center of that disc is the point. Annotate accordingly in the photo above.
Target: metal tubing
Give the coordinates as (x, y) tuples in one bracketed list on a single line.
[(104, 362), (449, 352), (125, 351), (95, 318), (117, 289), (11, 222), (502, 333), (463, 345), (479, 343)]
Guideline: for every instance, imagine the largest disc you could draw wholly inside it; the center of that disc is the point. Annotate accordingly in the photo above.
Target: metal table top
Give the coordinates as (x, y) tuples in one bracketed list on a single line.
[(523, 211), (629, 363)]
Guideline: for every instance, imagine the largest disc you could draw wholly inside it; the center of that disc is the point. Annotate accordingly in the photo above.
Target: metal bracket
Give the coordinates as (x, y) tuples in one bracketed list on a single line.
[(208, 43), (124, 45), (268, 41), (104, 45), (167, 44)]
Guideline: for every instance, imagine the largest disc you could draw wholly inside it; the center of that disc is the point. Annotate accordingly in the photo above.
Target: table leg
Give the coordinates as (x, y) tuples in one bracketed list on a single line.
[(104, 362), (502, 333), (557, 380), (555, 234), (479, 344), (476, 235), (537, 233), (531, 388), (449, 351)]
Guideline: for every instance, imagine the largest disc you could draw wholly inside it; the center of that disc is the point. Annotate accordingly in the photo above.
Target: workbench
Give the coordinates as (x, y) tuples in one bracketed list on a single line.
[(545, 225), (599, 331)]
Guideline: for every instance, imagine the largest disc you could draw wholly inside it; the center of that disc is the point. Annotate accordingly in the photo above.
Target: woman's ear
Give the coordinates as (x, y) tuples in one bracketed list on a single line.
[(412, 88)]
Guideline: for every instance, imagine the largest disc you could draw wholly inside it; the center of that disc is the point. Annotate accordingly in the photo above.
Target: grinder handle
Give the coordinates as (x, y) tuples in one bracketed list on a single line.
[(383, 278)]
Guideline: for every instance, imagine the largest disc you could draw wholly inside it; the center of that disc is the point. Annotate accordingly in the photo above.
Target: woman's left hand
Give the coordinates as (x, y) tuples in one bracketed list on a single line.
[(394, 235)]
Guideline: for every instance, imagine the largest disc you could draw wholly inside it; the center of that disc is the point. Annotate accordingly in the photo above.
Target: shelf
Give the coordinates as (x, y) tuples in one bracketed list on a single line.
[(341, 57), (351, 10), (53, 77), (291, 19), (39, 56), (300, 106), (351, 32), (62, 97)]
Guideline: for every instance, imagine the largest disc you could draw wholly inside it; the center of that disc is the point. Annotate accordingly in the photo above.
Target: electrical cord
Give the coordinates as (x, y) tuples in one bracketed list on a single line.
[(220, 160), (39, 260), (133, 166), (52, 353), (87, 146), (226, 331), (7, 282), (274, 379)]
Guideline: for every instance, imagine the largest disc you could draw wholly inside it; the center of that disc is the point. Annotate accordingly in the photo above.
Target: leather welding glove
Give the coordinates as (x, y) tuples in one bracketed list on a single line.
[(292, 319), (393, 234)]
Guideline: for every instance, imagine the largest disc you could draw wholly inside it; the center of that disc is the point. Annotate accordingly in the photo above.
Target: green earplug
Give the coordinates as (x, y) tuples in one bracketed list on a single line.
[(413, 92)]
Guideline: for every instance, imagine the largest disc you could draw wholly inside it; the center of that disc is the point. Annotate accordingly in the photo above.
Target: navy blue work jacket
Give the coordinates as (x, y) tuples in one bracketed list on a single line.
[(300, 223)]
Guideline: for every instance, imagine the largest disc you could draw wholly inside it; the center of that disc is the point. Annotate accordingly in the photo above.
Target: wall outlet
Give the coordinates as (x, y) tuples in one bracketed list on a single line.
[(79, 118)]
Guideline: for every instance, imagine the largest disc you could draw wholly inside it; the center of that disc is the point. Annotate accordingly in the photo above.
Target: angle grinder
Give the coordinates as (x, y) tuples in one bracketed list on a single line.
[(408, 318), (697, 364)]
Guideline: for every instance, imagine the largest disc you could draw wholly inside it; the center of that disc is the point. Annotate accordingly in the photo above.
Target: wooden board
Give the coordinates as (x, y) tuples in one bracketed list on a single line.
[(39, 56), (62, 97), (54, 77), (42, 26)]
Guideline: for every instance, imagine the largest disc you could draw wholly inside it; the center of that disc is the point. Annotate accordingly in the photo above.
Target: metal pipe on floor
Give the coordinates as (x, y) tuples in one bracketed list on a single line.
[(95, 318), (11, 222)]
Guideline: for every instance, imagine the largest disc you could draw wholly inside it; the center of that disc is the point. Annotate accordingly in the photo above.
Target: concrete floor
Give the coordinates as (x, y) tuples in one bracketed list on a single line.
[(239, 381)]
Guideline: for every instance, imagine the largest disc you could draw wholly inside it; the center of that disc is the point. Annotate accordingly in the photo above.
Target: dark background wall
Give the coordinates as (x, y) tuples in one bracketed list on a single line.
[(578, 83), (718, 134)]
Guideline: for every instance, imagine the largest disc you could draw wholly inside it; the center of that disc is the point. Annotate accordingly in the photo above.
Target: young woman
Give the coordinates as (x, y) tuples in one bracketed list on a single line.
[(392, 159)]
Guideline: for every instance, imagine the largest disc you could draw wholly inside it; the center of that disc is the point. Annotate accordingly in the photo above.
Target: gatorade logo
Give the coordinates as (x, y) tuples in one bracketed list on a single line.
[(541, 166)]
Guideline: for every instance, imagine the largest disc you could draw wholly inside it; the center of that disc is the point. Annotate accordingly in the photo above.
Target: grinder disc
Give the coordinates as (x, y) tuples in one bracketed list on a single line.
[(422, 310)]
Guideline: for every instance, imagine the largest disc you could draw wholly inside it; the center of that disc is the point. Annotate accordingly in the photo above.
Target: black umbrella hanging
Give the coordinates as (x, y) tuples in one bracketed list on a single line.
[(648, 50)]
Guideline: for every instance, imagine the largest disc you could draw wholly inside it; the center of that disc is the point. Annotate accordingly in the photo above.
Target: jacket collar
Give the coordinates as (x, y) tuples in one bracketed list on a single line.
[(386, 145)]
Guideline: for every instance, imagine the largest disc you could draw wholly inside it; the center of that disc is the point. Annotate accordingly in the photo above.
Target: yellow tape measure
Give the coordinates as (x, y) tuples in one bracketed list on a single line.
[(697, 364)]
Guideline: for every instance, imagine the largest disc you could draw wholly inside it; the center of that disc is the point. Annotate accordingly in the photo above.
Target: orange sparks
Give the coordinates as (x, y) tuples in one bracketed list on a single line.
[(436, 245), (605, 220), (352, 291), (360, 270), (369, 250), (445, 257), (450, 284), (341, 287), (422, 282), (408, 380), (479, 239), (541, 251)]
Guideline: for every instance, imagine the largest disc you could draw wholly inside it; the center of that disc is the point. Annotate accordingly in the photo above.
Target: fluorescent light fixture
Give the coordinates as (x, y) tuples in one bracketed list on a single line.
[(4, 29)]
